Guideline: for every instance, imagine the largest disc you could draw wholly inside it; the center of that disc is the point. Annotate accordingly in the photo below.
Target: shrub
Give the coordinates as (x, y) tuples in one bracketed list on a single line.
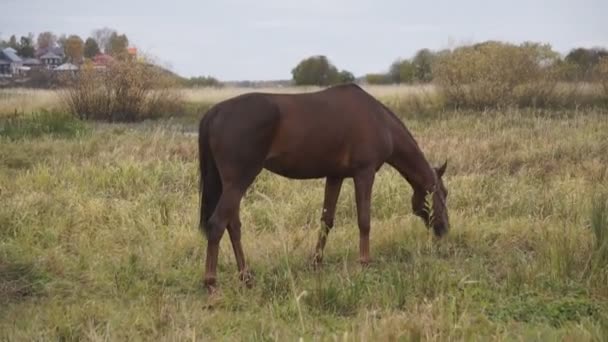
[(495, 74), (378, 79), (602, 76), (203, 81), (124, 91)]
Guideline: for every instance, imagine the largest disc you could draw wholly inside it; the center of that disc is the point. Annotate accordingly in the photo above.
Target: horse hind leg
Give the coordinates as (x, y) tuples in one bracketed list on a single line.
[(226, 210), (332, 192), (234, 230)]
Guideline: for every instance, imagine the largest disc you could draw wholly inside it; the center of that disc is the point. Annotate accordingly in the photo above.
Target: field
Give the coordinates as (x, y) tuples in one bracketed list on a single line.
[(99, 234)]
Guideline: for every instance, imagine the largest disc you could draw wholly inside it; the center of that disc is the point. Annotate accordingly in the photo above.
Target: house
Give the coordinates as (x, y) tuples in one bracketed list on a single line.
[(66, 67), (51, 60), (5, 66), (32, 63), (101, 61), (10, 63)]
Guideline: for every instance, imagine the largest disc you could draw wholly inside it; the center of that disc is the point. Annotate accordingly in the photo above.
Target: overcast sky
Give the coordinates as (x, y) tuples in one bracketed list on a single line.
[(265, 39)]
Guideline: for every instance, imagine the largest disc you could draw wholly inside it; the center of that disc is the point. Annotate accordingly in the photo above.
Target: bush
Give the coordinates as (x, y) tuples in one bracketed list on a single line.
[(495, 74), (602, 76), (124, 91), (378, 79), (203, 81)]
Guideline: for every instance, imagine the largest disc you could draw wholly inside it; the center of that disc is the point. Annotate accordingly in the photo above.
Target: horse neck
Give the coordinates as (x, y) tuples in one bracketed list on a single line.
[(408, 159)]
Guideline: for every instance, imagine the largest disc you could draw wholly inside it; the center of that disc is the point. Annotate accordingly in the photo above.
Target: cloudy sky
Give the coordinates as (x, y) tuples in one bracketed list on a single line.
[(265, 39)]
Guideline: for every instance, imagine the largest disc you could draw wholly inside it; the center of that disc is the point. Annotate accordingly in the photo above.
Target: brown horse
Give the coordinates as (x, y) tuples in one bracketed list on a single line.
[(336, 133)]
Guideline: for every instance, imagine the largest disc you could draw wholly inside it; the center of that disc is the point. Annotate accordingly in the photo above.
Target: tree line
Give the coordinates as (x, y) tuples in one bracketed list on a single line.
[(580, 64)]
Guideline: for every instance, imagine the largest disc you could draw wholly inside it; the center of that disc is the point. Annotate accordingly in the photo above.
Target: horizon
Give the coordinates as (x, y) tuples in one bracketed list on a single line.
[(237, 41)]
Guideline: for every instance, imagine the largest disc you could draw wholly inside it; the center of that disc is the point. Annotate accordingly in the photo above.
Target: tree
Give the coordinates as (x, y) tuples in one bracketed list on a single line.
[(585, 60), (346, 76), (26, 46), (74, 49), (46, 41), (402, 71), (102, 37), (423, 65), (203, 81), (378, 78), (118, 45), (12, 42), (91, 49), (316, 70), (61, 41)]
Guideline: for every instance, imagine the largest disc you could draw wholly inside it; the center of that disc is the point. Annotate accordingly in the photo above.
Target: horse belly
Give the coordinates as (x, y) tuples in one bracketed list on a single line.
[(308, 166)]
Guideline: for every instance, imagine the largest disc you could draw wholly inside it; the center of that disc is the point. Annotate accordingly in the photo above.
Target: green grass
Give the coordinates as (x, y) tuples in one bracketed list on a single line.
[(99, 240), (40, 124)]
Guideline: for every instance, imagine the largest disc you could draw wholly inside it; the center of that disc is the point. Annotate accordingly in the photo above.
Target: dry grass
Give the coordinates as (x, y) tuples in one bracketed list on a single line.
[(405, 99), (99, 241), (214, 95), (27, 100)]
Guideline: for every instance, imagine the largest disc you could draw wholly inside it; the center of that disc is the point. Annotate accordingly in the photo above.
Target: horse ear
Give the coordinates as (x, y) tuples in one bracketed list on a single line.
[(441, 170)]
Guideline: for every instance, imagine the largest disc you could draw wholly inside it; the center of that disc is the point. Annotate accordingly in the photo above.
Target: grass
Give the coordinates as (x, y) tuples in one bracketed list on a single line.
[(18, 101), (99, 240), (39, 124)]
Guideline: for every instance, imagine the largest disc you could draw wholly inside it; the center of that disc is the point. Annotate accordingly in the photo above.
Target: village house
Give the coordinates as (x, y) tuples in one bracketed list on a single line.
[(51, 60), (10, 62)]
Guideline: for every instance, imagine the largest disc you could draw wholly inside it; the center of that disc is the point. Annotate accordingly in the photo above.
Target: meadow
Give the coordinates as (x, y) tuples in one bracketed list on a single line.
[(99, 234)]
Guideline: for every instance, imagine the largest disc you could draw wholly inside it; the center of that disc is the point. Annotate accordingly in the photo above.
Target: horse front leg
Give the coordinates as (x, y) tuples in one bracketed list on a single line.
[(364, 182)]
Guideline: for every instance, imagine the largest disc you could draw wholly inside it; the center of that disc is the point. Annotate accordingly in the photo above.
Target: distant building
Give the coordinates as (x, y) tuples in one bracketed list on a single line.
[(5, 66), (66, 67), (10, 63), (102, 60), (32, 62), (51, 60)]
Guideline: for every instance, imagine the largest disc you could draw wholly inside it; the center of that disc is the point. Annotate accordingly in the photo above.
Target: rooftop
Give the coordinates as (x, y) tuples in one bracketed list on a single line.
[(11, 55)]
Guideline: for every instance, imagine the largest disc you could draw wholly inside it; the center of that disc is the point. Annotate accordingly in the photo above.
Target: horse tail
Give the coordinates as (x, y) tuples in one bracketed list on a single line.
[(210, 183)]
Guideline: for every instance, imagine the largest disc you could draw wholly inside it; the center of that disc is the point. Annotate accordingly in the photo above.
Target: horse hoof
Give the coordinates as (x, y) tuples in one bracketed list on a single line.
[(317, 262), (365, 263), (211, 285), (247, 278)]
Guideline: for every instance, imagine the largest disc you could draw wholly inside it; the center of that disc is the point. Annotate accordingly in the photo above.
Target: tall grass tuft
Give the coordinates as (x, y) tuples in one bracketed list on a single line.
[(599, 226)]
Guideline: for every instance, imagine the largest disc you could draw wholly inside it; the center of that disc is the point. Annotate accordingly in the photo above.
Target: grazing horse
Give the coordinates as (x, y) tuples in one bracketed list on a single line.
[(336, 133)]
